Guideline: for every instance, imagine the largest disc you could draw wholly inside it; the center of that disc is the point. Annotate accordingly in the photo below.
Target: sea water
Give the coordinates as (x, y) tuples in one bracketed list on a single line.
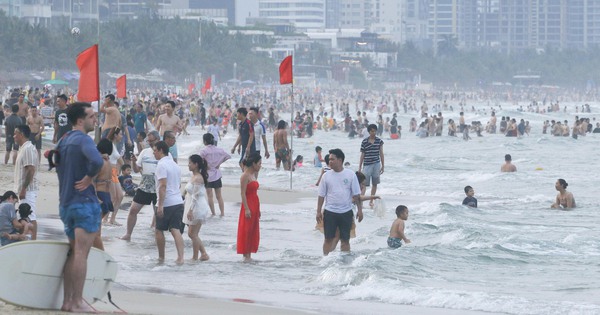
[(511, 255)]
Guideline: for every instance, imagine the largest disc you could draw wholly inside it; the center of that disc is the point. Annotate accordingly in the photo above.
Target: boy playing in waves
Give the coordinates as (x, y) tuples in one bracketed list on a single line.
[(397, 230), (470, 201)]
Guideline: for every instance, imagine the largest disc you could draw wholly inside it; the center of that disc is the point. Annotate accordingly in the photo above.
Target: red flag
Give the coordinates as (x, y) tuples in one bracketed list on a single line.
[(285, 71), (122, 86), (89, 80), (206, 86), (191, 88)]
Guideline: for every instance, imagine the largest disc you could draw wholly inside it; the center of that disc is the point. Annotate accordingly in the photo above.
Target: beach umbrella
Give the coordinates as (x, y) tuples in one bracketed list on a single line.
[(55, 82)]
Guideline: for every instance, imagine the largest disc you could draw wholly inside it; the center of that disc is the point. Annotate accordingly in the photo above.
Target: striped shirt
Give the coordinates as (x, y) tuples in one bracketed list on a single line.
[(27, 156), (371, 150)]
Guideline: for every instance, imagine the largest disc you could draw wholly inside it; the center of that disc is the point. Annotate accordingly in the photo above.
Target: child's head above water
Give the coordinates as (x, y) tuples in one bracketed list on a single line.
[(402, 212)]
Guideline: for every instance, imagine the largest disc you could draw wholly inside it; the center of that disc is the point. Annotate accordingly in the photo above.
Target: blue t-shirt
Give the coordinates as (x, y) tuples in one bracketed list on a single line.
[(470, 201), (139, 121), (78, 157)]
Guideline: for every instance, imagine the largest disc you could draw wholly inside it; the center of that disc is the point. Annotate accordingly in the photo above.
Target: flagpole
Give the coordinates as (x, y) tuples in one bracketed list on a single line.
[(291, 124)]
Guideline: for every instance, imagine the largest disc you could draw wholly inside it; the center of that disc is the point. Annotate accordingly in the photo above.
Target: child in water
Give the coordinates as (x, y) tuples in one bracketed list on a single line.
[(470, 201), (297, 162), (397, 230), (318, 159)]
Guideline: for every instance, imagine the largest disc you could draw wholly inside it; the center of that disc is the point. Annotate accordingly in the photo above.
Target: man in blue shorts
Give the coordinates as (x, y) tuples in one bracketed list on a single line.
[(340, 188), (78, 162), (371, 159)]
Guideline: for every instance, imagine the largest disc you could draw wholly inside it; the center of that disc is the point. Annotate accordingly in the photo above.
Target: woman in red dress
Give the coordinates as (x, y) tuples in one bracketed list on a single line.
[(248, 229)]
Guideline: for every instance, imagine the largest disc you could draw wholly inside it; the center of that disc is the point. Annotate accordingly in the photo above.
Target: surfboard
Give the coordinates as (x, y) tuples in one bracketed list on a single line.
[(31, 274)]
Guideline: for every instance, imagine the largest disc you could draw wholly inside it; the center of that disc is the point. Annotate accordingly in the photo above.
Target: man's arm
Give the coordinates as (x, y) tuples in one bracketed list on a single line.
[(381, 158), (359, 213), (29, 171), (320, 202), (54, 137), (161, 192), (361, 160), (264, 138)]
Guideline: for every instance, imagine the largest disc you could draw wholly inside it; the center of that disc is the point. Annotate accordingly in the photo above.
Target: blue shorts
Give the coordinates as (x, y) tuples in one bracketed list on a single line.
[(85, 216), (394, 242), (371, 172)]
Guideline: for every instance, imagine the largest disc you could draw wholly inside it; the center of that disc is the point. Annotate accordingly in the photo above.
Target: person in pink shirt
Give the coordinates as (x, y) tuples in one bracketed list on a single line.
[(214, 157)]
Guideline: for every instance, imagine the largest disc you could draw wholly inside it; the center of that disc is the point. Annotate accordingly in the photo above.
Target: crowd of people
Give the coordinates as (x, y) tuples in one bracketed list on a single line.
[(140, 135)]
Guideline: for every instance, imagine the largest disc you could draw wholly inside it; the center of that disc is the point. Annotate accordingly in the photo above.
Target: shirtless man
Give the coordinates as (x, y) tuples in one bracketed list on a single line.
[(493, 123), (23, 108), (113, 116), (36, 124), (281, 147), (564, 198), (168, 121), (508, 166)]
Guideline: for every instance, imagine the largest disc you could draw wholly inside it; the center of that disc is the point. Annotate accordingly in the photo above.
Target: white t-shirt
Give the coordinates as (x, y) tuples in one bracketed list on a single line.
[(338, 189), (147, 161), (259, 131), (167, 168)]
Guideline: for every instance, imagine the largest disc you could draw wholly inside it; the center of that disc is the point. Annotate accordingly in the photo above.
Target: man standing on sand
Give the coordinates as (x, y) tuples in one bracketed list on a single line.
[(10, 123), (26, 183), (169, 121), (340, 188), (36, 125), (61, 122), (112, 116), (144, 163), (371, 159), (79, 208), (169, 209), (508, 166)]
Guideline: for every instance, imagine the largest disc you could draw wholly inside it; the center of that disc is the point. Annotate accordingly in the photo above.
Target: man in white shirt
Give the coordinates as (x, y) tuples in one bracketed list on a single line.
[(260, 132), (169, 209), (26, 183), (340, 188)]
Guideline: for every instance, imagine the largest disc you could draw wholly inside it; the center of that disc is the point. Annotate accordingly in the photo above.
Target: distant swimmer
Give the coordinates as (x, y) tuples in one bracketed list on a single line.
[(397, 230), (470, 201), (564, 199), (508, 166)]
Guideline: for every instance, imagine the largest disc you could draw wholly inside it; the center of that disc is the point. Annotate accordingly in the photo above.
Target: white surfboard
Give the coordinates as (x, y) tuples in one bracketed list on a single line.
[(31, 274)]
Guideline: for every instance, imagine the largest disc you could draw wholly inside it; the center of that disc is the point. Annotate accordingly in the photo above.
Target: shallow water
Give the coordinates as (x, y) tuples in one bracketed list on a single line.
[(512, 255)]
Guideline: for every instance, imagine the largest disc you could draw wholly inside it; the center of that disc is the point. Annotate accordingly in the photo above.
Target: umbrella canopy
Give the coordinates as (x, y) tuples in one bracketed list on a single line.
[(56, 82)]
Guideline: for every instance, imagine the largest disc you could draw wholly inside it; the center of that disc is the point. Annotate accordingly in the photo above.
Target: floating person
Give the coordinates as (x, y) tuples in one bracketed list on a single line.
[(397, 229), (470, 201), (508, 166), (564, 198)]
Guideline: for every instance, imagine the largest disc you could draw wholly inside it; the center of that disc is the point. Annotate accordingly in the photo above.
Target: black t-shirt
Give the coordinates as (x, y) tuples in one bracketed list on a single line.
[(12, 122), (245, 128), (470, 201), (64, 126)]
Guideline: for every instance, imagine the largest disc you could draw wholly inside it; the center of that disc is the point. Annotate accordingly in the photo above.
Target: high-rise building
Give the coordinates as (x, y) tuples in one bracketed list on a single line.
[(302, 14)]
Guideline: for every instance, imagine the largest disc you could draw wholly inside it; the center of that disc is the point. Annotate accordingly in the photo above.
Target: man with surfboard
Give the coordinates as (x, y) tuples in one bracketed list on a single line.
[(78, 162)]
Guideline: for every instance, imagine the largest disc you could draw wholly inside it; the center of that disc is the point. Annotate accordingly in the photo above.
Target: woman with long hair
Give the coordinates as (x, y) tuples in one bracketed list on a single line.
[(214, 157), (196, 207), (248, 236), (115, 135)]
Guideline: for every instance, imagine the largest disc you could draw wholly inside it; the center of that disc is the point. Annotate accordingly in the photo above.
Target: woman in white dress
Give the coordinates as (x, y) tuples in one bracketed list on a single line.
[(196, 205)]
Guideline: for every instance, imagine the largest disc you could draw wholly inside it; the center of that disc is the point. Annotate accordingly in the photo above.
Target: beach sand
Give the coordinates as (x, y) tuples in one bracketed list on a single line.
[(163, 303)]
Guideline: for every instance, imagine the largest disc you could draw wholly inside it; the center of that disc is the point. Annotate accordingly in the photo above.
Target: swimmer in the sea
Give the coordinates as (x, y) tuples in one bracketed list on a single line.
[(508, 166), (564, 198), (397, 230)]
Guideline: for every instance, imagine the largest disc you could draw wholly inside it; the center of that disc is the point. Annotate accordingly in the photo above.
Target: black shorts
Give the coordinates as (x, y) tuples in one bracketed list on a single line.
[(144, 198), (11, 145), (171, 219), (216, 184), (36, 142), (332, 221)]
